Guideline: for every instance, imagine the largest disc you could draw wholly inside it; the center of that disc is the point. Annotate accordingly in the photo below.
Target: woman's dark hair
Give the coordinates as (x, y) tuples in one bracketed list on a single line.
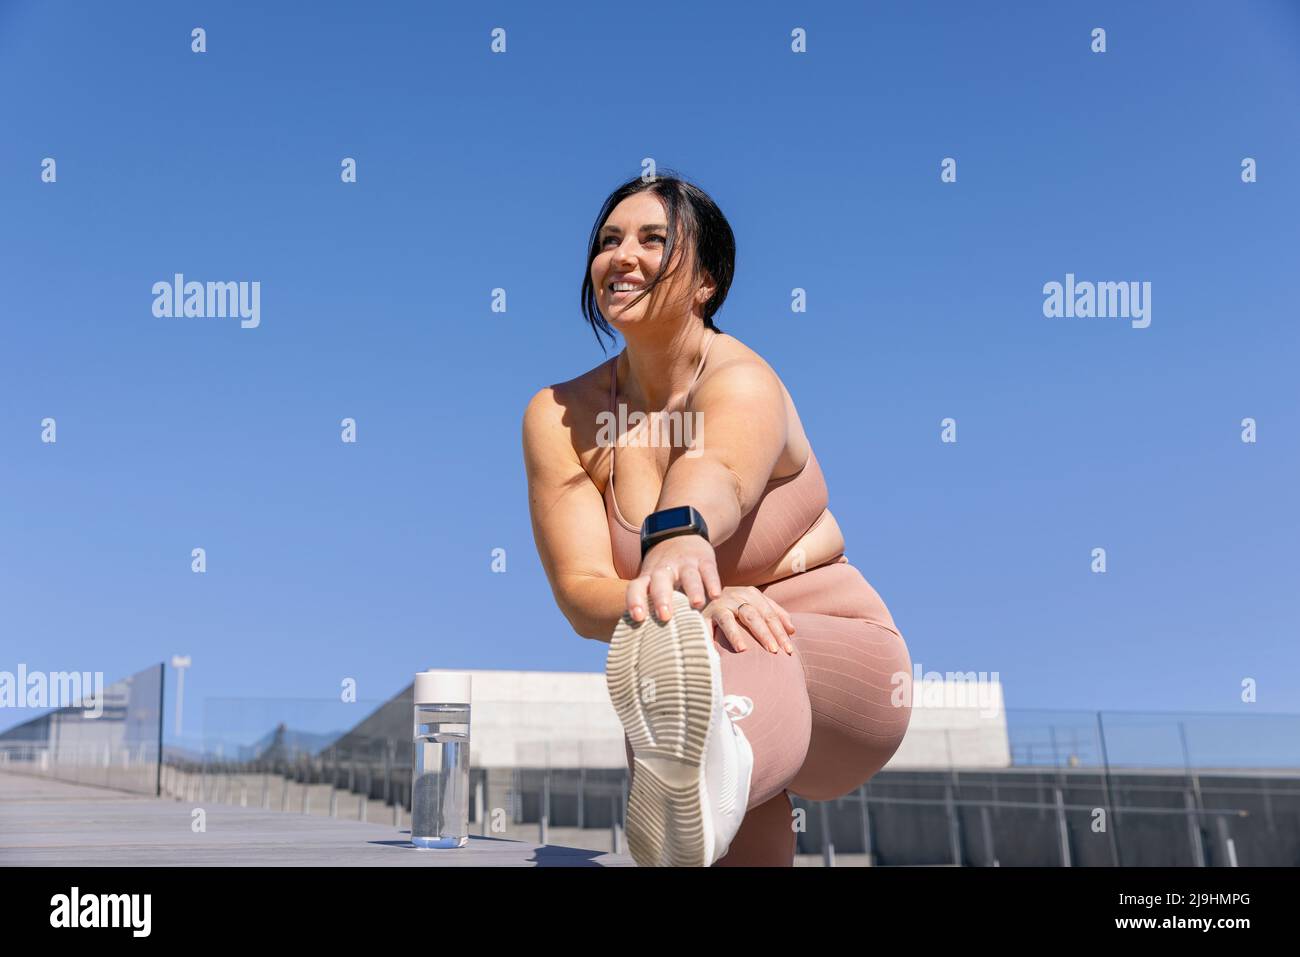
[(691, 215)]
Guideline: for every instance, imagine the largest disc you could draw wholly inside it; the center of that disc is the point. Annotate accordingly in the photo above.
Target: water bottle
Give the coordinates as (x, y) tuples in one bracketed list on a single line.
[(440, 772)]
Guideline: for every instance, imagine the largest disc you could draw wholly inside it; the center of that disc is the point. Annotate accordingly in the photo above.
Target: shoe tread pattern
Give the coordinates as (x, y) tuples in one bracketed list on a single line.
[(661, 685)]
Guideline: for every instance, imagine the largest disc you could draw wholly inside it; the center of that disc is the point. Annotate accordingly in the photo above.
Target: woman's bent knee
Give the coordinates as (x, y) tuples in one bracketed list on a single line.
[(861, 709)]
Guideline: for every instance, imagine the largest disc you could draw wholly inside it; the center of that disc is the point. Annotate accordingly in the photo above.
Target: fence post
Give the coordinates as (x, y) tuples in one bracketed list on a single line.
[(388, 777), (828, 848), (867, 846), (1229, 848), (954, 825), (391, 795), (582, 781), (613, 824), (352, 781), (546, 804), (363, 796), (1193, 800), (544, 819), (334, 783), (1194, 829), (1062, 829), (1112, 817), (992, 860)]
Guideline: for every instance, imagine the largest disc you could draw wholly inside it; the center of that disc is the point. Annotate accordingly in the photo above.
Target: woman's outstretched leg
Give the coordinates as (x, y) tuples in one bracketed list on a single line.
[(824, 720)]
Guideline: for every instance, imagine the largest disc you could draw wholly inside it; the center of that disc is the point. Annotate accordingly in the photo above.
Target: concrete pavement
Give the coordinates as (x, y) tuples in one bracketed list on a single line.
[(55, 823)]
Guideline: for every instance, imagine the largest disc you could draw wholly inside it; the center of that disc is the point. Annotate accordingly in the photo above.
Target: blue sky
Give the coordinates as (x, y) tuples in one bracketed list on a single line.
[(476, 171)]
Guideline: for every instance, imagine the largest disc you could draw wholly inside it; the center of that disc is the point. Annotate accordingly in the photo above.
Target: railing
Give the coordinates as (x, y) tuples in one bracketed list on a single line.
[(330, 783), (1187, 740), (1079, 792), (1073, 788)]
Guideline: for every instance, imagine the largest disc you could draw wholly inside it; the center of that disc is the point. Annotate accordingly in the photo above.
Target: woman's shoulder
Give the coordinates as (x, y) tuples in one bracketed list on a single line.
[(730, 354), (582, 390), (567, 413), (733, 364)]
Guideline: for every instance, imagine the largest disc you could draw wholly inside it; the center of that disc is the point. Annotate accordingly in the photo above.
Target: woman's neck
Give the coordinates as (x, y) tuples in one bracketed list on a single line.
[(656, 369)]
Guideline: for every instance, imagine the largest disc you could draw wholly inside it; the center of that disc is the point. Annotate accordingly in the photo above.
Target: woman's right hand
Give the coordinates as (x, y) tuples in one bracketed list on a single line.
[(743, 608)]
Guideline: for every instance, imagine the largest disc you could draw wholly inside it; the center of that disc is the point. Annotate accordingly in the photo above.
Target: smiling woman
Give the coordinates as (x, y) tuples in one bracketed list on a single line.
[(714, 568), (691, 216)]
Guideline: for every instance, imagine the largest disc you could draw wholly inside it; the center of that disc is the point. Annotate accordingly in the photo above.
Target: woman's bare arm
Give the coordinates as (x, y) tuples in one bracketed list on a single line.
[(742, 428), (740, 435), (741, 431), (569, 523)]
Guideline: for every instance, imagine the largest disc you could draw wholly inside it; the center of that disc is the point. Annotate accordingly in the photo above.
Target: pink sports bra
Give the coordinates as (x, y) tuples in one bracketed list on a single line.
[(788, 509)]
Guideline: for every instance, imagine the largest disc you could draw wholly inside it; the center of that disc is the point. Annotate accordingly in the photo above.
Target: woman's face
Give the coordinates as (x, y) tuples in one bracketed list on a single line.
[(630, 249)]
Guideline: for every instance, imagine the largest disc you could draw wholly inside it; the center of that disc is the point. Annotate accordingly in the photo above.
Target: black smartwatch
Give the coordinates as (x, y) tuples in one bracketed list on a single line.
[(669, 522)]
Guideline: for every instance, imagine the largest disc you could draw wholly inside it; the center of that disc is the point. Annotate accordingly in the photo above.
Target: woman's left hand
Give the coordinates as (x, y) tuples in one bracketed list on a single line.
[(686, 560)]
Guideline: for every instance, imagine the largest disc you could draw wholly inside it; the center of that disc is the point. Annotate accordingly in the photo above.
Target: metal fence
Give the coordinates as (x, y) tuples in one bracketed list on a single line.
[(1082, 788)]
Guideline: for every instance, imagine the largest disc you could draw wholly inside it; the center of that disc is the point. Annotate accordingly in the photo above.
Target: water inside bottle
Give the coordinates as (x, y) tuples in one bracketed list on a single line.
[(440, 792)]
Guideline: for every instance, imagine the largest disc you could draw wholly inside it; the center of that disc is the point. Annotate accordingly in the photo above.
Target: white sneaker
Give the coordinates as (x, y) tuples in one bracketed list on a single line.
[(692, 764)]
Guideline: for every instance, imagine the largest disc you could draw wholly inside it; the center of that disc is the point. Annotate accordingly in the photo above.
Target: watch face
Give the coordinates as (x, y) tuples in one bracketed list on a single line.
[(679, 517)]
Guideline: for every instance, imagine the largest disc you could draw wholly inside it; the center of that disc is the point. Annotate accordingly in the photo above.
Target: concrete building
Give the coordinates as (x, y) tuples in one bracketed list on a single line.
[(522, 719)]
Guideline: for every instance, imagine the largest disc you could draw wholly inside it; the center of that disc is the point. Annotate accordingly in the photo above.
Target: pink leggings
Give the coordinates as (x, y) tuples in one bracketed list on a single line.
[(824, 719)]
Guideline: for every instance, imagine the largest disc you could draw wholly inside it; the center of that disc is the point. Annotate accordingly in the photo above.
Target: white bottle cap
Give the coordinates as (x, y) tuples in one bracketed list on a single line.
[(442, 687)]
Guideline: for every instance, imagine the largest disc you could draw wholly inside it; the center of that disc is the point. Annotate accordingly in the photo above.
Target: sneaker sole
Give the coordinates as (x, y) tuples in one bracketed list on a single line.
[(661, 685)]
